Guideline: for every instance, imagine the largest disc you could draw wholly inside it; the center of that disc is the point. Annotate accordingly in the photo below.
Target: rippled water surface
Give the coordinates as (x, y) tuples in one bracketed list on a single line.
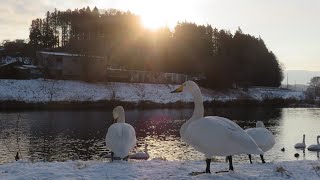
[(58, 135)]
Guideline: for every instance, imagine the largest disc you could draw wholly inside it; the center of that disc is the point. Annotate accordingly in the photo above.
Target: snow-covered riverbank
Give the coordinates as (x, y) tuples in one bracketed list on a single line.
[(42, 91), (157, 169)]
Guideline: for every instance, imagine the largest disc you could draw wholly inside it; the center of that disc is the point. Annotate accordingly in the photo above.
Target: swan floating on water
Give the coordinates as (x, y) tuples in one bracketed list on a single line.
[(315, 147), (301, 145), (141, 155), (121, 137), (263, 138), (214, 135)]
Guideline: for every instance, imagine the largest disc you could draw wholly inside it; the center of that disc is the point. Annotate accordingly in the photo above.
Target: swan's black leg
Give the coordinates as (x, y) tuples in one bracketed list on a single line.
[(250, 158), (126, 158), (208, 161), (230, 163), (261, 156), (17, 157), (112, 156)]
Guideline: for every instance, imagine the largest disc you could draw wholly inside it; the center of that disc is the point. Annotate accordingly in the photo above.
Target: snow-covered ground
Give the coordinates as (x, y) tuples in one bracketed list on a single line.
[(157, 169), (41, 90)]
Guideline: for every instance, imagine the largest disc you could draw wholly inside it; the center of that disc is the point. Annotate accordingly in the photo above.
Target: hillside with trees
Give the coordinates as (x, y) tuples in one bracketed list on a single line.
[(226, 59)]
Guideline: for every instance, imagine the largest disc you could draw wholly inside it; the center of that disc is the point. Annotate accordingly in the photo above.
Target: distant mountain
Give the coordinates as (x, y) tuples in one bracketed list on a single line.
[(299, 76), (295, 87)]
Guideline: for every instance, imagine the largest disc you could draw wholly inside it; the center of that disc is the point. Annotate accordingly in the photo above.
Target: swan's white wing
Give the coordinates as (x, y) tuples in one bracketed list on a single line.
[(217, 136), (121, 139), (263, 138)]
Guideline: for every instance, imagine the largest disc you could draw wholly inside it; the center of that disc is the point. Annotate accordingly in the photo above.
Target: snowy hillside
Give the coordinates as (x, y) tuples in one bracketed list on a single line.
[(40, 90), (156, 169)]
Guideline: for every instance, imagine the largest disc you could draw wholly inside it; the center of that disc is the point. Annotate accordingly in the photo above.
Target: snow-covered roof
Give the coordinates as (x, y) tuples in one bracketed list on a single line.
[(30, 66), (21, 67), (7, 63), (59, 53), (65, 54)]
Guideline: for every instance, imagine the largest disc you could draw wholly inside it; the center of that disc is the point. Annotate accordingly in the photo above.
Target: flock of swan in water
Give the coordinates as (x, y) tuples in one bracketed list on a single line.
[(210, 135), (313, 147)]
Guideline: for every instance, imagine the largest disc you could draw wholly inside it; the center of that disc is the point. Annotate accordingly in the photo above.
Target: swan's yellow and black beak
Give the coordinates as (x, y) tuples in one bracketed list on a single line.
[(179, 89)]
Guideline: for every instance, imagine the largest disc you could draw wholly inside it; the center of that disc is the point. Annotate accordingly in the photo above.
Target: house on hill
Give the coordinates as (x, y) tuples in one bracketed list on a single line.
[(71, 66), (74, 66), (18, 68), (119, 75)]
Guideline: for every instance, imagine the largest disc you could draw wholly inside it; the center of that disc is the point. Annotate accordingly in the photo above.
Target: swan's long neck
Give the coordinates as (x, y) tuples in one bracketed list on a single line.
[(121, 118), (198, 111), (145, 149)]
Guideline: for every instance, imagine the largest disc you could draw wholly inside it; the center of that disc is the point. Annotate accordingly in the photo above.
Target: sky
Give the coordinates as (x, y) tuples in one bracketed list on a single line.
[(290, 28)]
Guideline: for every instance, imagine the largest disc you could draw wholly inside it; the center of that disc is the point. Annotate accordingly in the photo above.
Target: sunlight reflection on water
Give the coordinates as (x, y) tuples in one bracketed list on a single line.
[(57, 135)]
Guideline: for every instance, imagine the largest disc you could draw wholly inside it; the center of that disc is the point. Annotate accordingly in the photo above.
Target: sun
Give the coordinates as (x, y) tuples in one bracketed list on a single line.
[(154, 22), (157, 14)]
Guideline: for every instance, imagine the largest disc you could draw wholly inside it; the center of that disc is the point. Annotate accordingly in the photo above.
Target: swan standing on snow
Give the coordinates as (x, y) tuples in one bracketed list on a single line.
[(213, 135), (315, 147), (121, 137), (301, 145), (263, 138), (141, 155)]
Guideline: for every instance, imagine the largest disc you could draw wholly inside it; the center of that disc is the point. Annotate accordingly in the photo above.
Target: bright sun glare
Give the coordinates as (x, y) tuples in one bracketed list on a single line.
[(157, 14), (153, 22)]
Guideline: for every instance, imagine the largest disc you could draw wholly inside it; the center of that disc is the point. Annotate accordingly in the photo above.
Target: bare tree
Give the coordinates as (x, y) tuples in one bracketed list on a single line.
[(313, 91), (50, 88)]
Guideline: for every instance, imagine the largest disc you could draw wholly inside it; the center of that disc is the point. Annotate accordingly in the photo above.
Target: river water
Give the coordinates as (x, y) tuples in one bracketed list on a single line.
[(58, 135)]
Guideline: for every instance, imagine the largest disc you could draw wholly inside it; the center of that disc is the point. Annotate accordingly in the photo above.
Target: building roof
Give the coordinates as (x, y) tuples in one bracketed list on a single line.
[(59, 53), (30, 66), (7, 63), (65, 54)]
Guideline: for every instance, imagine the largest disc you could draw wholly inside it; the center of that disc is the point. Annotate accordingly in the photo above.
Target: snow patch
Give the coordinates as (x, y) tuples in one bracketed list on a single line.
[(41, 90), (156, 169)]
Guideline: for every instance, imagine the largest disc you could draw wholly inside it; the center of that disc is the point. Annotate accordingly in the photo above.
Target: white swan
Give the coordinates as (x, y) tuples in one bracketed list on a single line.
[(213, 135), (141, 155), (263, 138), (315, 147), (121, 137), (301, 145)]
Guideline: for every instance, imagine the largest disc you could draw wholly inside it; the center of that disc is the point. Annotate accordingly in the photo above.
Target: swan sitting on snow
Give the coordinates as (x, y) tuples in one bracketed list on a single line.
[(263, 138), (315, 147), (121, 137), (213, 135), (301, 145), (141, 155)]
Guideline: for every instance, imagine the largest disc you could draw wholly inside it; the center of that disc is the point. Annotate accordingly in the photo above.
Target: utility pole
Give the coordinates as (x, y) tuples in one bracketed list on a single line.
[(287, 80)]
